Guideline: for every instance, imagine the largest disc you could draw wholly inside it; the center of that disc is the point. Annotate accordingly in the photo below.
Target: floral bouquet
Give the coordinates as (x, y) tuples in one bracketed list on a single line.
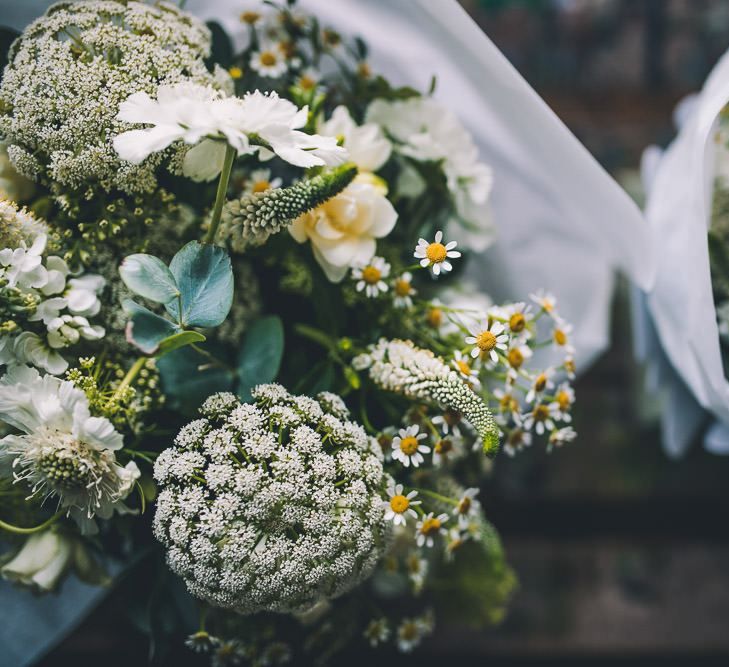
[(688, 310), (235, 302)]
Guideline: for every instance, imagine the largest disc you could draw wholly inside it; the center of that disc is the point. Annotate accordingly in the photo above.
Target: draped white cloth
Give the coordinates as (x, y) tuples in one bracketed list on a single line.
[(682, 330)]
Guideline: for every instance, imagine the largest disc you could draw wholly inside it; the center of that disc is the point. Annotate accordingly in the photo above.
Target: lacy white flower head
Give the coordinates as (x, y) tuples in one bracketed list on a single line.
[(400, 366), (368, 148), (62, 451), (435, 255), (87, 57), (344, 230), (370, 276), (201, 116), (273, 505), (18, 225)]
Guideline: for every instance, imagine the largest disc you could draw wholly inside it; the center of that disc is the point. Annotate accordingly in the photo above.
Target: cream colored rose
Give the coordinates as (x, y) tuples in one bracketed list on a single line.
[(343, 230), (41, 562)]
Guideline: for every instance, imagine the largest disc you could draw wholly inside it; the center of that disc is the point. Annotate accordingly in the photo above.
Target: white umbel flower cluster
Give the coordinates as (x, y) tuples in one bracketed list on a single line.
[(69, 72), (274, 505), (400, 366), (43, 309)]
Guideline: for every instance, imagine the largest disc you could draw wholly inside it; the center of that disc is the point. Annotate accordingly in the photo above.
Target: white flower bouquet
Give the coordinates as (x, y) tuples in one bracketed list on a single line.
[(685, 322), (237, 293)]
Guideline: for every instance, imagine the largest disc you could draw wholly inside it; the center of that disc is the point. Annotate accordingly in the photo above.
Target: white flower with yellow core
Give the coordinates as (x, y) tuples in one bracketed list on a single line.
[(561, 336), (377, 632), (366, 144), (560, 436), (488, 340), (542, 382), (546, 301), (435, 255), (465, 366), (370, 277), (518, 316), (541, 418), (344, 230), (517, 354), (259, 180), (400, 505), (516, 440), (564, 397), (403, 290), (62, 451), (429, 527), (269, 61), (467, 507), (406, 446)]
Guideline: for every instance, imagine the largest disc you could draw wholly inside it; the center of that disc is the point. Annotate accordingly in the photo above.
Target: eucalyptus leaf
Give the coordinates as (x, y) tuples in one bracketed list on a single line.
[(179, 340), (149, 277), (145, 329), (260, 356), (204, 276), (188, 378)]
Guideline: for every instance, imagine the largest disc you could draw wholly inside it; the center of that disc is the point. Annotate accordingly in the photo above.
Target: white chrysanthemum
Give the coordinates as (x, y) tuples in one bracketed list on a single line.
[(70, 70), (399, 366), (202, 117), (367, 146), (273, 505), (62, 452)]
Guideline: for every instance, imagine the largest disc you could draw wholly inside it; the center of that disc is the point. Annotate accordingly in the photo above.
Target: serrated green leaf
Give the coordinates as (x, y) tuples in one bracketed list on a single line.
[(204, 276), (260, 356), (149, 277)]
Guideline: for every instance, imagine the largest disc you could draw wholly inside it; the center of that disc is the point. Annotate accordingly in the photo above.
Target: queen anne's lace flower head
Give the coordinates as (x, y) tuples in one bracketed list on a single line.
[(62, 452), (273, 505), (69, 72)]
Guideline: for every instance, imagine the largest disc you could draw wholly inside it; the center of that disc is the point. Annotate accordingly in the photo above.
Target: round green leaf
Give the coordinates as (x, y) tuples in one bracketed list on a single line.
[(148, 276), (145, 329), (260, 356)]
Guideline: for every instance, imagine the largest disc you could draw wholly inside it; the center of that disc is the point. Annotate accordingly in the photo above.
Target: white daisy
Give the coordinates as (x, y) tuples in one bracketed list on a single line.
[(429, 527), (259, 180), (545, 300), (541, 383), (403, 291), (488, 339), (467, 507), (561, 336), (516, 440), (400, 506), (560, 436), (465, 368), (406, 446), (370, 276), (518, 317), (541, 418), (564, 397), (269, 61), (436, 255), (449, 422)]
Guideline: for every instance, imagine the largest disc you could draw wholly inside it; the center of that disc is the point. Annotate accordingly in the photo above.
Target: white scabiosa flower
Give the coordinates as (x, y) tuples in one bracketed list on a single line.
[(273, 505), (399, 366), (407, 448), (400, 506), (62, 452), (488, 339), (435, 255), (370, 277), (367, 146)]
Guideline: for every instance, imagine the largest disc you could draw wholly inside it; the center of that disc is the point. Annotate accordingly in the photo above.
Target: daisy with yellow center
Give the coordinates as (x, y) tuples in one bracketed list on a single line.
[(429, 527), (403, 291), (570, 368), (564, 397), (235, 72), (518, 316), (560, 436), (370, 277), (406, 446), (308, 79), (488, 340), (250, 17), (541, 383), (508, 403), (435, 255), (449, 422), (516, 440), (517, 354), (269, 62), (442, 450), (400, 506), (464, 365), (260, 180), (561, 336), (541, 418), (467, 507), (434, 317), (417, 569), (546, 301)]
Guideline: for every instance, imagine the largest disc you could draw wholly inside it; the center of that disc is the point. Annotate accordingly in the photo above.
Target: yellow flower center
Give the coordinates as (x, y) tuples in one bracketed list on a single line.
[(563, 400), (541, 382), (560, 337), (436, 253), (430, 525), (517, 322), (443, 446), (570, 365), (268, 58), (516, 436), (250, 17), (408, 631), (464, 505), (414, 564), (399, 503), (371, 275), (409, 445), (486, 341), (402, 287), (508, 403), (331, 38), (515, 357), (307, 82), (261, 186), (541, 413), (463, 367), (385, 441), (363, 69), (435, 317), (547, 305), (235, 72)]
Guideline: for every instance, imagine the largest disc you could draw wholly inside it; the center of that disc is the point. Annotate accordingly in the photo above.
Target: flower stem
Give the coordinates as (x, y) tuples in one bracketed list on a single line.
[(28, 531), (128, 379), (221, 193), (438, 496)]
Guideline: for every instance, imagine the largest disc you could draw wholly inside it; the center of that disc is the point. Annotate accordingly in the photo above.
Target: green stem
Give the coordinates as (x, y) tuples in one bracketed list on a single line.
[(438, 496), (221, 193), (28, 531), (128, 379)]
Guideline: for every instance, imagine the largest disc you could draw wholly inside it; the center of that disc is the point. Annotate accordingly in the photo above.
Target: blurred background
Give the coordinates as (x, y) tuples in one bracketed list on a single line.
[(622, 553)]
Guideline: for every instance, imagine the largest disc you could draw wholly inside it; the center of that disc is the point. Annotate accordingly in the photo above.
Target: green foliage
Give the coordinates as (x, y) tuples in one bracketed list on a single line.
[(260, 355), (149, 277)]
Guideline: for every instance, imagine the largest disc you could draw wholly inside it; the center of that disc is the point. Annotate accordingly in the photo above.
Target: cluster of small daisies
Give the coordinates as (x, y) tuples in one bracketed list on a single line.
[(273, 505), (44, 309)]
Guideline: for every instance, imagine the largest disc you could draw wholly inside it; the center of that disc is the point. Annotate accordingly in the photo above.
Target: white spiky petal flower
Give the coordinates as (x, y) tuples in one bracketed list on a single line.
[(62, 452), (273, 505), (435, 255)]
